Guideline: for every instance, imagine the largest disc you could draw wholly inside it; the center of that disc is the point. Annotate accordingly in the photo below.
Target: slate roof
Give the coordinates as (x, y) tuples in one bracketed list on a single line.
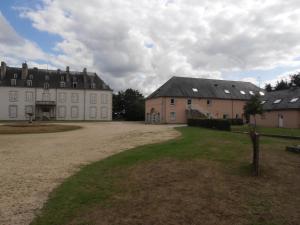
[(207, 88), (39, 77), (286, 96)]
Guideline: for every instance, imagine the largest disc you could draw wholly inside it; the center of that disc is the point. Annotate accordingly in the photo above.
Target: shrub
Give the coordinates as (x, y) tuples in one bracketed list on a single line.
[(236, 121), (218, 124)]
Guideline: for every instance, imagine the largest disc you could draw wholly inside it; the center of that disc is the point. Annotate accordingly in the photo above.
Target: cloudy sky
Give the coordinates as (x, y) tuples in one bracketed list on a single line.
[(142, 43)]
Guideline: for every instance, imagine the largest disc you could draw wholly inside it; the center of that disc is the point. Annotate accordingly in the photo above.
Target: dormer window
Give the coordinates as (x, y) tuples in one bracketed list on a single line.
[(195, 89), (93, 85), (251, 92), (62, 84), (294, 100), (227, 91), (242, 92), (277, 101), (74, 85), (261, 93), (29, 83), (46, 85)]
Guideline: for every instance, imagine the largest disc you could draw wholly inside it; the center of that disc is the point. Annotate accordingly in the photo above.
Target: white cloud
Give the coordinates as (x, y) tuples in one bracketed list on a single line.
[(183, 37), (286, 76), (14, 49)]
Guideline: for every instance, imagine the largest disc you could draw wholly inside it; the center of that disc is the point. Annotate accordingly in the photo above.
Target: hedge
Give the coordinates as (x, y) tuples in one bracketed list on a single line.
[(218, 124), (236, 121)]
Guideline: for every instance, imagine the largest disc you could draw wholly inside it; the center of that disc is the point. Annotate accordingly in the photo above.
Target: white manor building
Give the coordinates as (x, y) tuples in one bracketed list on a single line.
[(53, 95)]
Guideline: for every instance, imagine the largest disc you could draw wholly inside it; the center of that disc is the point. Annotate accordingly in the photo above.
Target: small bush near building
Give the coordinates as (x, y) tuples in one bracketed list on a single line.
[(218, 124), (236, 121)]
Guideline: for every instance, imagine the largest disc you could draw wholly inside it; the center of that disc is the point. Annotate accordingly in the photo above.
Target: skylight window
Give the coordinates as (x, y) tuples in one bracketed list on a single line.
[(251, 92), (261, 93), (263, 102), (227, 91), (195, 90), (243, 93), (294, 100), (277, 101)]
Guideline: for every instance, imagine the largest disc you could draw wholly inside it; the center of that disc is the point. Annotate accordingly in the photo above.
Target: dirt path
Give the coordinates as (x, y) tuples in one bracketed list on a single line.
[(31, 165)]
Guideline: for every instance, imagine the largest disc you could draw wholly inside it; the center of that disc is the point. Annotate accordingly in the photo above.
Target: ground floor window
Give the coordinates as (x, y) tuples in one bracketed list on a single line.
[(225, 116), (104, 112), (93, 112), (62, 111), (173, 116), (74, 111), (13, 111)]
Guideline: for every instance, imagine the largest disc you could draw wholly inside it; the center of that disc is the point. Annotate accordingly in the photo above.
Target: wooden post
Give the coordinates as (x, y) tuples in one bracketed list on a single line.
[(255, 160)]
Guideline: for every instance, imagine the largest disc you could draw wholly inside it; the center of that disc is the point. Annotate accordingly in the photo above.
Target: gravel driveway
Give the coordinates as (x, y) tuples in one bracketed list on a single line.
[(31, 165)]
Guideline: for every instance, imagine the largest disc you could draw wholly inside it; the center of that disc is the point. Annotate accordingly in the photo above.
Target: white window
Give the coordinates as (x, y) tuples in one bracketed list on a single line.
[(172, 116), (46, 85), (277, 101), (189, 101), (13, 82), (104, 98), (75, 98), (294, 100), (104, 112), (172, 101), (93, 112), (13, 111), (195, 89), (243, 93), (263, 102), (62, 97), (29, 83), (251, 92), (13, 96), (29, 96), (62, 111), (225, 116), (227, 91), (62, 84), (28, 109), (93, 98), (74, 111), (46, 96), (261, 93)]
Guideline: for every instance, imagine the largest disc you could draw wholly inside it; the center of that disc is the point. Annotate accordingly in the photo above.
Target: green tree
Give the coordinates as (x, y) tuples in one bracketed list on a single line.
[(295, 80), (268, 87), (282, 85), (129, 105), (253, 107)]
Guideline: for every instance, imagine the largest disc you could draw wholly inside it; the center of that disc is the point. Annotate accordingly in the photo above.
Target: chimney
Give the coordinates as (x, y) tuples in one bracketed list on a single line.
[(3, 70), (68, 74), (24, 71), (84, 77)]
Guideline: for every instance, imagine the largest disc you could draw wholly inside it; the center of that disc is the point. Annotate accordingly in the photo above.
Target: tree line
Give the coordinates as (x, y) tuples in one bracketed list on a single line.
[(129, 105), (284, 84)]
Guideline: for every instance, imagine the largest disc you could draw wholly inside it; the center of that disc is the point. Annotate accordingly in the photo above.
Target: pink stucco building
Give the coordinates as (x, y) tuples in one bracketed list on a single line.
[(281, 109), (181, 97)]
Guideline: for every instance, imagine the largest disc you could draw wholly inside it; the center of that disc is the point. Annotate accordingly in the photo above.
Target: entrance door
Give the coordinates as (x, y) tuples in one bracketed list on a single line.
[(280, 120)]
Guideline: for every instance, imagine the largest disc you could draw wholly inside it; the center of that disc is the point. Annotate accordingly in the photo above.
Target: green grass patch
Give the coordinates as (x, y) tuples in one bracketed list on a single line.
[(96, 183), (270, 130)]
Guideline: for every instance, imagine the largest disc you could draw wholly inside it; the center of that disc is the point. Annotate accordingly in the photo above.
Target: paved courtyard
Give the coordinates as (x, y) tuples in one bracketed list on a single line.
[(31, 165)]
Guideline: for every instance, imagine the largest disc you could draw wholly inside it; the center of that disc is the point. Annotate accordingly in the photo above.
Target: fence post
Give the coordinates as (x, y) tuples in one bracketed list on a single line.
[(255, 162)]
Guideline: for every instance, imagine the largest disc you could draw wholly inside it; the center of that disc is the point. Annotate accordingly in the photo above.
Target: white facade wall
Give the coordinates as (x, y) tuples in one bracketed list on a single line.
[(71, 104)]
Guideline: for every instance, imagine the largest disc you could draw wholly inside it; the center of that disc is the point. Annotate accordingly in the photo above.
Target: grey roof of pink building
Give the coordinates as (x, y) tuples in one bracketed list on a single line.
[(206, 88)]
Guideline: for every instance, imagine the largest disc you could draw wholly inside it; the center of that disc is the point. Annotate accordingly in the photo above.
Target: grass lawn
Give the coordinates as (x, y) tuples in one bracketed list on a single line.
[(270, 130), (204, 178), (26, 128)]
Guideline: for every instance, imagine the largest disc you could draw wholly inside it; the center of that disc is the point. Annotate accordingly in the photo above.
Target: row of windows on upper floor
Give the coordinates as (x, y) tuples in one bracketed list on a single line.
[(62, 84), (62, 97), (209, 101)]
